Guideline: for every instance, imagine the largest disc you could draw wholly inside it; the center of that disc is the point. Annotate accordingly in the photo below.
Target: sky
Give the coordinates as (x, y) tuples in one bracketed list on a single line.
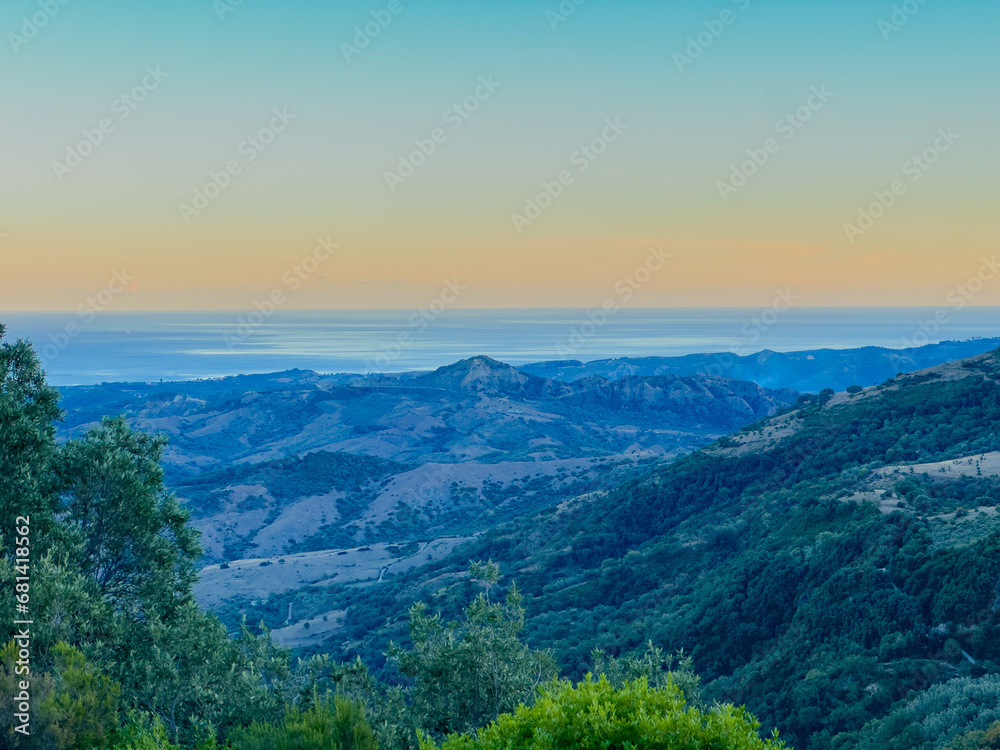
[(210, 155)]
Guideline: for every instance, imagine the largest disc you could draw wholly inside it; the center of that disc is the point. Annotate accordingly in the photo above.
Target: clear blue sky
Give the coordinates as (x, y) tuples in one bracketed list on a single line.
[(658, 184)]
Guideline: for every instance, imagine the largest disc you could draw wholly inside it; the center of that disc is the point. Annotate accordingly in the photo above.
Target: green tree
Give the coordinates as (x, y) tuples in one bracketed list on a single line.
[(132, 536), (11, 688), (192, 675), (656, 668), (596, 716), (988, 739), (81, 711), (73, 705), (488, 574), (467, 672), (934, 717), (112, 564), (28, 409), (142, 731)]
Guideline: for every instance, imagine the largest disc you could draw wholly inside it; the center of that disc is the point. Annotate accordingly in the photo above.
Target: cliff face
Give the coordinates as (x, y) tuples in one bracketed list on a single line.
[(719, 404)]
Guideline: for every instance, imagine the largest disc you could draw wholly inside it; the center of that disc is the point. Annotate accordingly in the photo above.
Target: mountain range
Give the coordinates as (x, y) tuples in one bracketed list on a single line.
[(835, 567), (805, 371), (830, 559), (297, 462)]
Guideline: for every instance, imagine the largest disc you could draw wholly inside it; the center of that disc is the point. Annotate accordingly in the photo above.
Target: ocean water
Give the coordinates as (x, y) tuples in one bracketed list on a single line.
[(150, 346)]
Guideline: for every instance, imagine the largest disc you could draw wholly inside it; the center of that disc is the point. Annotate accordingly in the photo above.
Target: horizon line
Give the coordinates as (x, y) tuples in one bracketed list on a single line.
[(104, 313)]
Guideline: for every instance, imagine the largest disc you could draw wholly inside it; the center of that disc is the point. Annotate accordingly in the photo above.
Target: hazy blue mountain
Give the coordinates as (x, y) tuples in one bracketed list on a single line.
[(298, 462), (805, 371)]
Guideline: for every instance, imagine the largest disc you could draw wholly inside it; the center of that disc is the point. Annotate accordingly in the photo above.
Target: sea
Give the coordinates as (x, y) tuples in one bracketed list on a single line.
[(154, 346)]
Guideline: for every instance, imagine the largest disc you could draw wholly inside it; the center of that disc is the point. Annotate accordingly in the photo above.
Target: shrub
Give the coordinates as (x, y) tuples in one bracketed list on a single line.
[(595, 715), (341, 726), (467, 672), (142, 732), (83, 706)]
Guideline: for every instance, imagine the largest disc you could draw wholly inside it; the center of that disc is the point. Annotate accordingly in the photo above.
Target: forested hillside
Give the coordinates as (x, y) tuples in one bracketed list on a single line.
[(835, 568), (104, 647), (278, 469)]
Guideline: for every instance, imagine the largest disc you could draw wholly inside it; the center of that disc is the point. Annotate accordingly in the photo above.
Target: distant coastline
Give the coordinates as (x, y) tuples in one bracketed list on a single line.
[(150, 346)]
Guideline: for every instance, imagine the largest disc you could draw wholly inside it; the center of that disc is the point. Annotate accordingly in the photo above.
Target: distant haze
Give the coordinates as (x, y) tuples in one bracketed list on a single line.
[(180, 346)]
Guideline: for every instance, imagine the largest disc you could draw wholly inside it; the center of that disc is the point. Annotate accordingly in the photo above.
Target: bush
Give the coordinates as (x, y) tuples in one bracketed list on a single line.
[(83, 706), (142, 732), (594, 715), (467, 672), (657, 669), (322, 727)]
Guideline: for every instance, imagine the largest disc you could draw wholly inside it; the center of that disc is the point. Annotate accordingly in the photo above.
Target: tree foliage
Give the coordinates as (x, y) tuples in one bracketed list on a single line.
[(467, 672), (82, 709), (28, 409), (340, 726), (594, 715), (112, 564), (988, 739), (129, 535), (847, 624)]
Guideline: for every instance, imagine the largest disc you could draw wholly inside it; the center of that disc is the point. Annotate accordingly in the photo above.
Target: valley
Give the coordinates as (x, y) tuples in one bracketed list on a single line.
[(297, 463)]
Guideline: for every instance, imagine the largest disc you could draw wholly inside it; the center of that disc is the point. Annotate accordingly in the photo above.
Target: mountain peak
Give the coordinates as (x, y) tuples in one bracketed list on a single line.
[(482, 373), (480, 360)]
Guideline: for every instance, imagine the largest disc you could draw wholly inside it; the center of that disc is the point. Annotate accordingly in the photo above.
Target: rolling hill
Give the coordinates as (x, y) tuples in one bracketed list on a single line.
[(835, 568), (297, 463)]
